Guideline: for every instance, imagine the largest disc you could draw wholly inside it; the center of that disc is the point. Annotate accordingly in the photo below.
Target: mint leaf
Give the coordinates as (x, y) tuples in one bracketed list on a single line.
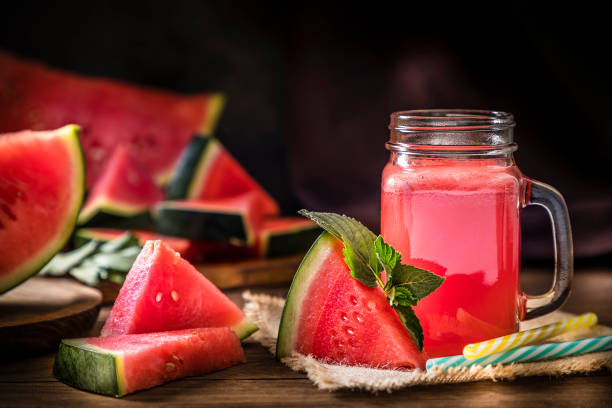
[(387, 255), (359, 251), (419, 281), (412, 324), (402, 296)]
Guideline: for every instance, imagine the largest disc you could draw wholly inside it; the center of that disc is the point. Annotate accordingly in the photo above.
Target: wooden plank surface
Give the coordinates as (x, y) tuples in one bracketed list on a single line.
[(263, 382)]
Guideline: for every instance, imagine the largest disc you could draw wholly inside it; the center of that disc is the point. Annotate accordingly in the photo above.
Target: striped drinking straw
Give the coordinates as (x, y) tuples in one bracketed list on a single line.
[(527, 353), (511, 341)]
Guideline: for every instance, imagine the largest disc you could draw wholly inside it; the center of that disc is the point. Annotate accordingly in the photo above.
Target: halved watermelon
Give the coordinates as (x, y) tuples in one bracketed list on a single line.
[(120, 365), (42, 177), (206, 171), (155, 124), (337, 319), (162, 292), (285, 236), (122, 196), (234, 220)]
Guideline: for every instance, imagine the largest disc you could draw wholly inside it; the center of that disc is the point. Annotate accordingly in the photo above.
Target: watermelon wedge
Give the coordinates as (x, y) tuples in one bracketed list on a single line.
[(282, 236), (163, 292), (193, 251), (207, 171), (120, 365), (42, 177), (122, 196), (335, 318), (155, 124), (234, 220)]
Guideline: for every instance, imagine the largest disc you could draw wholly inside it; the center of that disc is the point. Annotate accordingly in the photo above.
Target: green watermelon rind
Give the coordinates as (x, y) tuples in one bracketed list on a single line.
[(287, 242), (210, 224), (90, 368), (244, 329), (193, 165), (70, 135), (298, 290)]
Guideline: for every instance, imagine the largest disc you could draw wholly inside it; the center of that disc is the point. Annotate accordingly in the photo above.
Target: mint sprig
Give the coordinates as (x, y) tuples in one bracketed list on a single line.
[(368, 256)]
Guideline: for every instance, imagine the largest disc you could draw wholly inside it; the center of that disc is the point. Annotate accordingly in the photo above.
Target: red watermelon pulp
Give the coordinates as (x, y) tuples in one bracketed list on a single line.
[(163, 292), (154, 124), (120, 365), (42, 178), (335, 318)]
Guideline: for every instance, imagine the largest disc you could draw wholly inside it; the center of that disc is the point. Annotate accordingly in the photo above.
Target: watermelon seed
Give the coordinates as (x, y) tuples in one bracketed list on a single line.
[(371, 305), (177, 358), (159, 296), (349, 331), (358, 317), (353, 300), (344, 317), (170, 367), (177, 256), (175, 296)]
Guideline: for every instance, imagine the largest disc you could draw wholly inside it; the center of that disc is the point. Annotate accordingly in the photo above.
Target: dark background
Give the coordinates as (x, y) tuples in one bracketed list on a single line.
[(310, 87)]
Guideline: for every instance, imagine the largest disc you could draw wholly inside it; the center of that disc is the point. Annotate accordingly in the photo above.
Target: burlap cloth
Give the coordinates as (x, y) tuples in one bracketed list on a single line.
[(266, 312)]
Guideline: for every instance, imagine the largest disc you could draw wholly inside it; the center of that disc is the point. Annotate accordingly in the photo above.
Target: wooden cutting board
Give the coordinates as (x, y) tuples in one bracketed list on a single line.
[(254, 272), (36, 315)]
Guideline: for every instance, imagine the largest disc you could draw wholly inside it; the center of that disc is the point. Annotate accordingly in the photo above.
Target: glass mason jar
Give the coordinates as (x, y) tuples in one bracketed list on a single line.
[(451, 203)]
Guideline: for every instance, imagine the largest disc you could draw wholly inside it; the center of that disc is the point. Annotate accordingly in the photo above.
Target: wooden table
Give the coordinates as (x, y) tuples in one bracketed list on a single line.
[(263, 381)]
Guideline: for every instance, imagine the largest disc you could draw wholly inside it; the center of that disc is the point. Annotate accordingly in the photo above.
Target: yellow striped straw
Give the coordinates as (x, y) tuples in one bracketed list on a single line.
[(485, 348)]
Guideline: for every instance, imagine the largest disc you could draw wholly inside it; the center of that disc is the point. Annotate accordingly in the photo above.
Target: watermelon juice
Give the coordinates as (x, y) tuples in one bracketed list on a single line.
[(459, 219)]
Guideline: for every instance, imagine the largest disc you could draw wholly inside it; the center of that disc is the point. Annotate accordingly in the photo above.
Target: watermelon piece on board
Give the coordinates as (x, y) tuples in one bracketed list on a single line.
[(121, 365), (335, 318), (163, 292), (280, 236), (193, 251), (207, 171), (234, 220), (42, 182), (154, 124), (122, 196)]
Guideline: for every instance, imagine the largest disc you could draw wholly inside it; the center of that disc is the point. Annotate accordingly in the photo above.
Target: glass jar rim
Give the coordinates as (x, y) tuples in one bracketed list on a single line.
[(486, 131)]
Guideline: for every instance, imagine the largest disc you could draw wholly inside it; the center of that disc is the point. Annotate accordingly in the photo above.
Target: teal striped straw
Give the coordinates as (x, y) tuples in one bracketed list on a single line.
[(527, 353)]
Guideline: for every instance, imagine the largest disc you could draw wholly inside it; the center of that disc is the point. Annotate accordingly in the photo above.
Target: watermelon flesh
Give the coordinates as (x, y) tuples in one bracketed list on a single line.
[(163, 292), (207, 171), (121, 365), (156, 125), (42, 177), (124, 190), (336, 319)]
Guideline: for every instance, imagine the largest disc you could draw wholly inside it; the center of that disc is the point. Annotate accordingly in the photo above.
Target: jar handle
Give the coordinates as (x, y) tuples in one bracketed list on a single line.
[(537, 193)]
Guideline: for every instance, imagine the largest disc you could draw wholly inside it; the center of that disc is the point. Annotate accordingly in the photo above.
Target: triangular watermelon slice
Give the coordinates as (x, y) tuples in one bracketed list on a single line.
[(337, 319), (164, 292), (207, 171), (42, 182), (154, 123), (122, 196), (120, 365)]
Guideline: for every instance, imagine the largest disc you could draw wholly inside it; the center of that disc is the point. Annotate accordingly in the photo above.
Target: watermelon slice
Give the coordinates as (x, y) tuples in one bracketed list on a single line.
[(207, 171), (337, 319), (120, 365), (234, 220), (122, 196), (156, 125), (162, 292), (193, 251), (285, 236), (42, 178)]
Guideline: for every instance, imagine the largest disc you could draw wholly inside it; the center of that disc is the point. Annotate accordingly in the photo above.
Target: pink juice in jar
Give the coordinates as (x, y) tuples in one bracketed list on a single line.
[(458, 219)]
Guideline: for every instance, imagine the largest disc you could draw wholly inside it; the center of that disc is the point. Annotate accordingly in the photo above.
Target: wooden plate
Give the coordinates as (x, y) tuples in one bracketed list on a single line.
[(36, 315)]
